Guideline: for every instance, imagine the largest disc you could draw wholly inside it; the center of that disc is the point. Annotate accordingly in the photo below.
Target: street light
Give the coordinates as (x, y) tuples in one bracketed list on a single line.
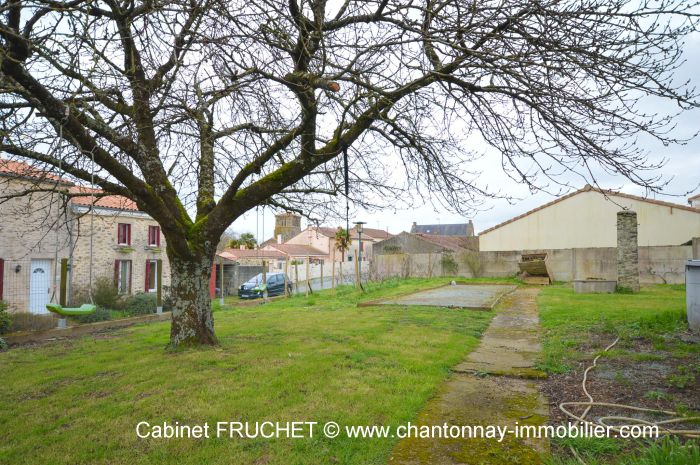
[(358, 226)]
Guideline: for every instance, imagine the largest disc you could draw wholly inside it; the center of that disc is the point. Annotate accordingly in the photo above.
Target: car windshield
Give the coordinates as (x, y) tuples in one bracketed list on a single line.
[(257, 279)]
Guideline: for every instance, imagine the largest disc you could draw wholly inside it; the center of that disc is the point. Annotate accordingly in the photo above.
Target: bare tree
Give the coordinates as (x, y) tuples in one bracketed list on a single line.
[(199, 111)]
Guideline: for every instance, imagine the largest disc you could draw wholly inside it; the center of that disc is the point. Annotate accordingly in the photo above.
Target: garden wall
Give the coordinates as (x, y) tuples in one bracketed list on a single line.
[(657, 264)]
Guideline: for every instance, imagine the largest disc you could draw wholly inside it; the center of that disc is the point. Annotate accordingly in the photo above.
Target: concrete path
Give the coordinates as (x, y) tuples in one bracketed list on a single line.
[(495, 385)]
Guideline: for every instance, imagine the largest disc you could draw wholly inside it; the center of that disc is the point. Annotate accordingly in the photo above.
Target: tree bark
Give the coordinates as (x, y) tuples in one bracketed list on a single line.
[(192, 319)]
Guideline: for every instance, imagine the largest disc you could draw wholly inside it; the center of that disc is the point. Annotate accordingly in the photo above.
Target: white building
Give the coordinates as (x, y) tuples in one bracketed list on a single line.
[(587, 218)]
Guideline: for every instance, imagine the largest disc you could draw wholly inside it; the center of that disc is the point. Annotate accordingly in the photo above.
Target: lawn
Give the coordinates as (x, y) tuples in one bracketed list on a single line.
[(655, 364), (315, 358)]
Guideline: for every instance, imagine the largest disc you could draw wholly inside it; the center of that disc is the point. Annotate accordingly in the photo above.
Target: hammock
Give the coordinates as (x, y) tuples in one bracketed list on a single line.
[(84, 309)]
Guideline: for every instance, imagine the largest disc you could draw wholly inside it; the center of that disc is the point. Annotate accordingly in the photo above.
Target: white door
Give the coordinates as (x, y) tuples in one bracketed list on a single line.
[(39, 286)]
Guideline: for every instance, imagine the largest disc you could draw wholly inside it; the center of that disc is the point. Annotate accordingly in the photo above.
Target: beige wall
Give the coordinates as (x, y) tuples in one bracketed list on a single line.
[(106, 250), (589, 219)]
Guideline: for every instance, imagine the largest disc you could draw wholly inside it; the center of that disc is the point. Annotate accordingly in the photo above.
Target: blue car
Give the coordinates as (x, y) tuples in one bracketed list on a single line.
[(253, 288)]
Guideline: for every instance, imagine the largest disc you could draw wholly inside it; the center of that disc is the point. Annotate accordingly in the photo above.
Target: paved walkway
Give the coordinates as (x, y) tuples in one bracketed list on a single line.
[(495, 385)]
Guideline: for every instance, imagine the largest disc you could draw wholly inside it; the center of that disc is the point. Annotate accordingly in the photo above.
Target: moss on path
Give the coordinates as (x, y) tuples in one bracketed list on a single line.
[(494, 386)]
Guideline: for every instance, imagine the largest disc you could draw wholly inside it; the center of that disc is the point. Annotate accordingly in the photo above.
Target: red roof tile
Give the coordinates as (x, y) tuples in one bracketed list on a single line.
[(297, 250), (25, 170), (237, 254), (116, 202)]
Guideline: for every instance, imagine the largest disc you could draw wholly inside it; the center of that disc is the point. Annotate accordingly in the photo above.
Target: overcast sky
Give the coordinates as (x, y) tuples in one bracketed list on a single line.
[(683, 168)]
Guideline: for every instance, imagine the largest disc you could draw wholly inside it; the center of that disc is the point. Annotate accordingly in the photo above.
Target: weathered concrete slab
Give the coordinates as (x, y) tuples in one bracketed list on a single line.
[(511, 344), (472, 397), (477, 296)]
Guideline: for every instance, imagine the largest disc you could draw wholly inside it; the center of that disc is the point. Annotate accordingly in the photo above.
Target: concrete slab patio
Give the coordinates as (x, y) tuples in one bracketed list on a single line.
[(474, 296), (495, 385)]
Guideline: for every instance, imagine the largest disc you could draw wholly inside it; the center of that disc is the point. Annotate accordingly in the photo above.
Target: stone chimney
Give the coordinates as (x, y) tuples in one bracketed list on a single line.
[(470, 229), (627, 251)]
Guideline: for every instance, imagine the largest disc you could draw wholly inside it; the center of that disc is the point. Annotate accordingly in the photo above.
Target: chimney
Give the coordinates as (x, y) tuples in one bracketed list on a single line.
[(279, 238), (470, 229)]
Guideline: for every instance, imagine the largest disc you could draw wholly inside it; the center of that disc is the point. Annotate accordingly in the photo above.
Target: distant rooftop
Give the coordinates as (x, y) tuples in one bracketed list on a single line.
[(460, 229)]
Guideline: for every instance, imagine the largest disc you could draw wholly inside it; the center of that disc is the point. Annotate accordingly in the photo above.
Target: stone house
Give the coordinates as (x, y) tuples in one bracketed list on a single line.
[(41, 228)]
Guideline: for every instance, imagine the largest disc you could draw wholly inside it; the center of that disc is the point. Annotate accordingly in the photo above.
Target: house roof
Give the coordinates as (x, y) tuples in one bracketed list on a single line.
[(454, 243), (238, 254), (116, 202), (24, 170), (367, 233), (589, 188), (297, 250), (459, 229)]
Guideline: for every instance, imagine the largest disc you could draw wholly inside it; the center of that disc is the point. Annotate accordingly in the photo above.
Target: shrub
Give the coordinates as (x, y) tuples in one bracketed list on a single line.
[(104, 294), (449, 265), (140, 304), (471, 259), (3, 344), (100, 314), (5, 318)]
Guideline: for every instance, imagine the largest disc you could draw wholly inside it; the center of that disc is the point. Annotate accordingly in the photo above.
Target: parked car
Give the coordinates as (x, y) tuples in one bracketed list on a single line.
[(253, 288)]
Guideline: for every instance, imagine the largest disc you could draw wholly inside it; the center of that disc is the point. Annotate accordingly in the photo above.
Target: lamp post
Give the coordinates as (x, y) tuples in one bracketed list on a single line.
[(358, 226)]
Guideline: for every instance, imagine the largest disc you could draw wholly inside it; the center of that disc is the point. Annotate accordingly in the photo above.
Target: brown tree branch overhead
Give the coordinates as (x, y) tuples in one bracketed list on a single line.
[(201, 111)]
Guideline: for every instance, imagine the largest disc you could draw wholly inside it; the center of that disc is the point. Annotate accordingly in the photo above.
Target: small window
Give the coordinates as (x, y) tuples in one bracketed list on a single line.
[(154, 236), (122, 276), (124, 234)]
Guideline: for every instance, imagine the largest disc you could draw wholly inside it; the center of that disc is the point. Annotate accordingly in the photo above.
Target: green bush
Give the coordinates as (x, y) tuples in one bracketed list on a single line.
[(100, 314), (140, 304), (5, 318), (3, 344), (104, 294)]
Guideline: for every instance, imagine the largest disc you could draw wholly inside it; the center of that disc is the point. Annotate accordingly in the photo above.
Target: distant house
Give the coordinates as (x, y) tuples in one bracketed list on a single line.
[(460, 229), (323, 239), (694, 201), (296, 252), (587, 218), (251, 256), (409, 243), (39, 229)]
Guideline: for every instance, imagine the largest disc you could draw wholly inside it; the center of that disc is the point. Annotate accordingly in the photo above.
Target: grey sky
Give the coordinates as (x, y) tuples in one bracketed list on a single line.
[(682, 167)]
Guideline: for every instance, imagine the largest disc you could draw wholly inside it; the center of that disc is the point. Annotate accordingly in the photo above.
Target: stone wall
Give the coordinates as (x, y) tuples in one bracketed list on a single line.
[(106, 250), (627, 251)]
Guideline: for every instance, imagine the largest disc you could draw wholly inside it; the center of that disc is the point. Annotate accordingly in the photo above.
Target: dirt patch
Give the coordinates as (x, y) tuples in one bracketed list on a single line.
[(640, 373)]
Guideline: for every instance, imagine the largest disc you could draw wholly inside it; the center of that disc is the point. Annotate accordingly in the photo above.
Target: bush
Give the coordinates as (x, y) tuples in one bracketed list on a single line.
[(104, 294), (140, 304), (100, 314), (3, 345), (5, 318)]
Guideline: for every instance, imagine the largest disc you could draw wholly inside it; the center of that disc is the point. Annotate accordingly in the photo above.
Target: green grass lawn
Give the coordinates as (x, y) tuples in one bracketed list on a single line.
[(653, 336), (315, 358), (569, 319)]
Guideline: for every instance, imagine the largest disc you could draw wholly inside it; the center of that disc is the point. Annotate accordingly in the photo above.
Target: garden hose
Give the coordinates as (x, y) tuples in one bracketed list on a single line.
[(662, 425)]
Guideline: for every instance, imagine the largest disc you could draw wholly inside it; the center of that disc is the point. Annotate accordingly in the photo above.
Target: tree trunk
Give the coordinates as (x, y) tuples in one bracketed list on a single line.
[(192, 319)]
